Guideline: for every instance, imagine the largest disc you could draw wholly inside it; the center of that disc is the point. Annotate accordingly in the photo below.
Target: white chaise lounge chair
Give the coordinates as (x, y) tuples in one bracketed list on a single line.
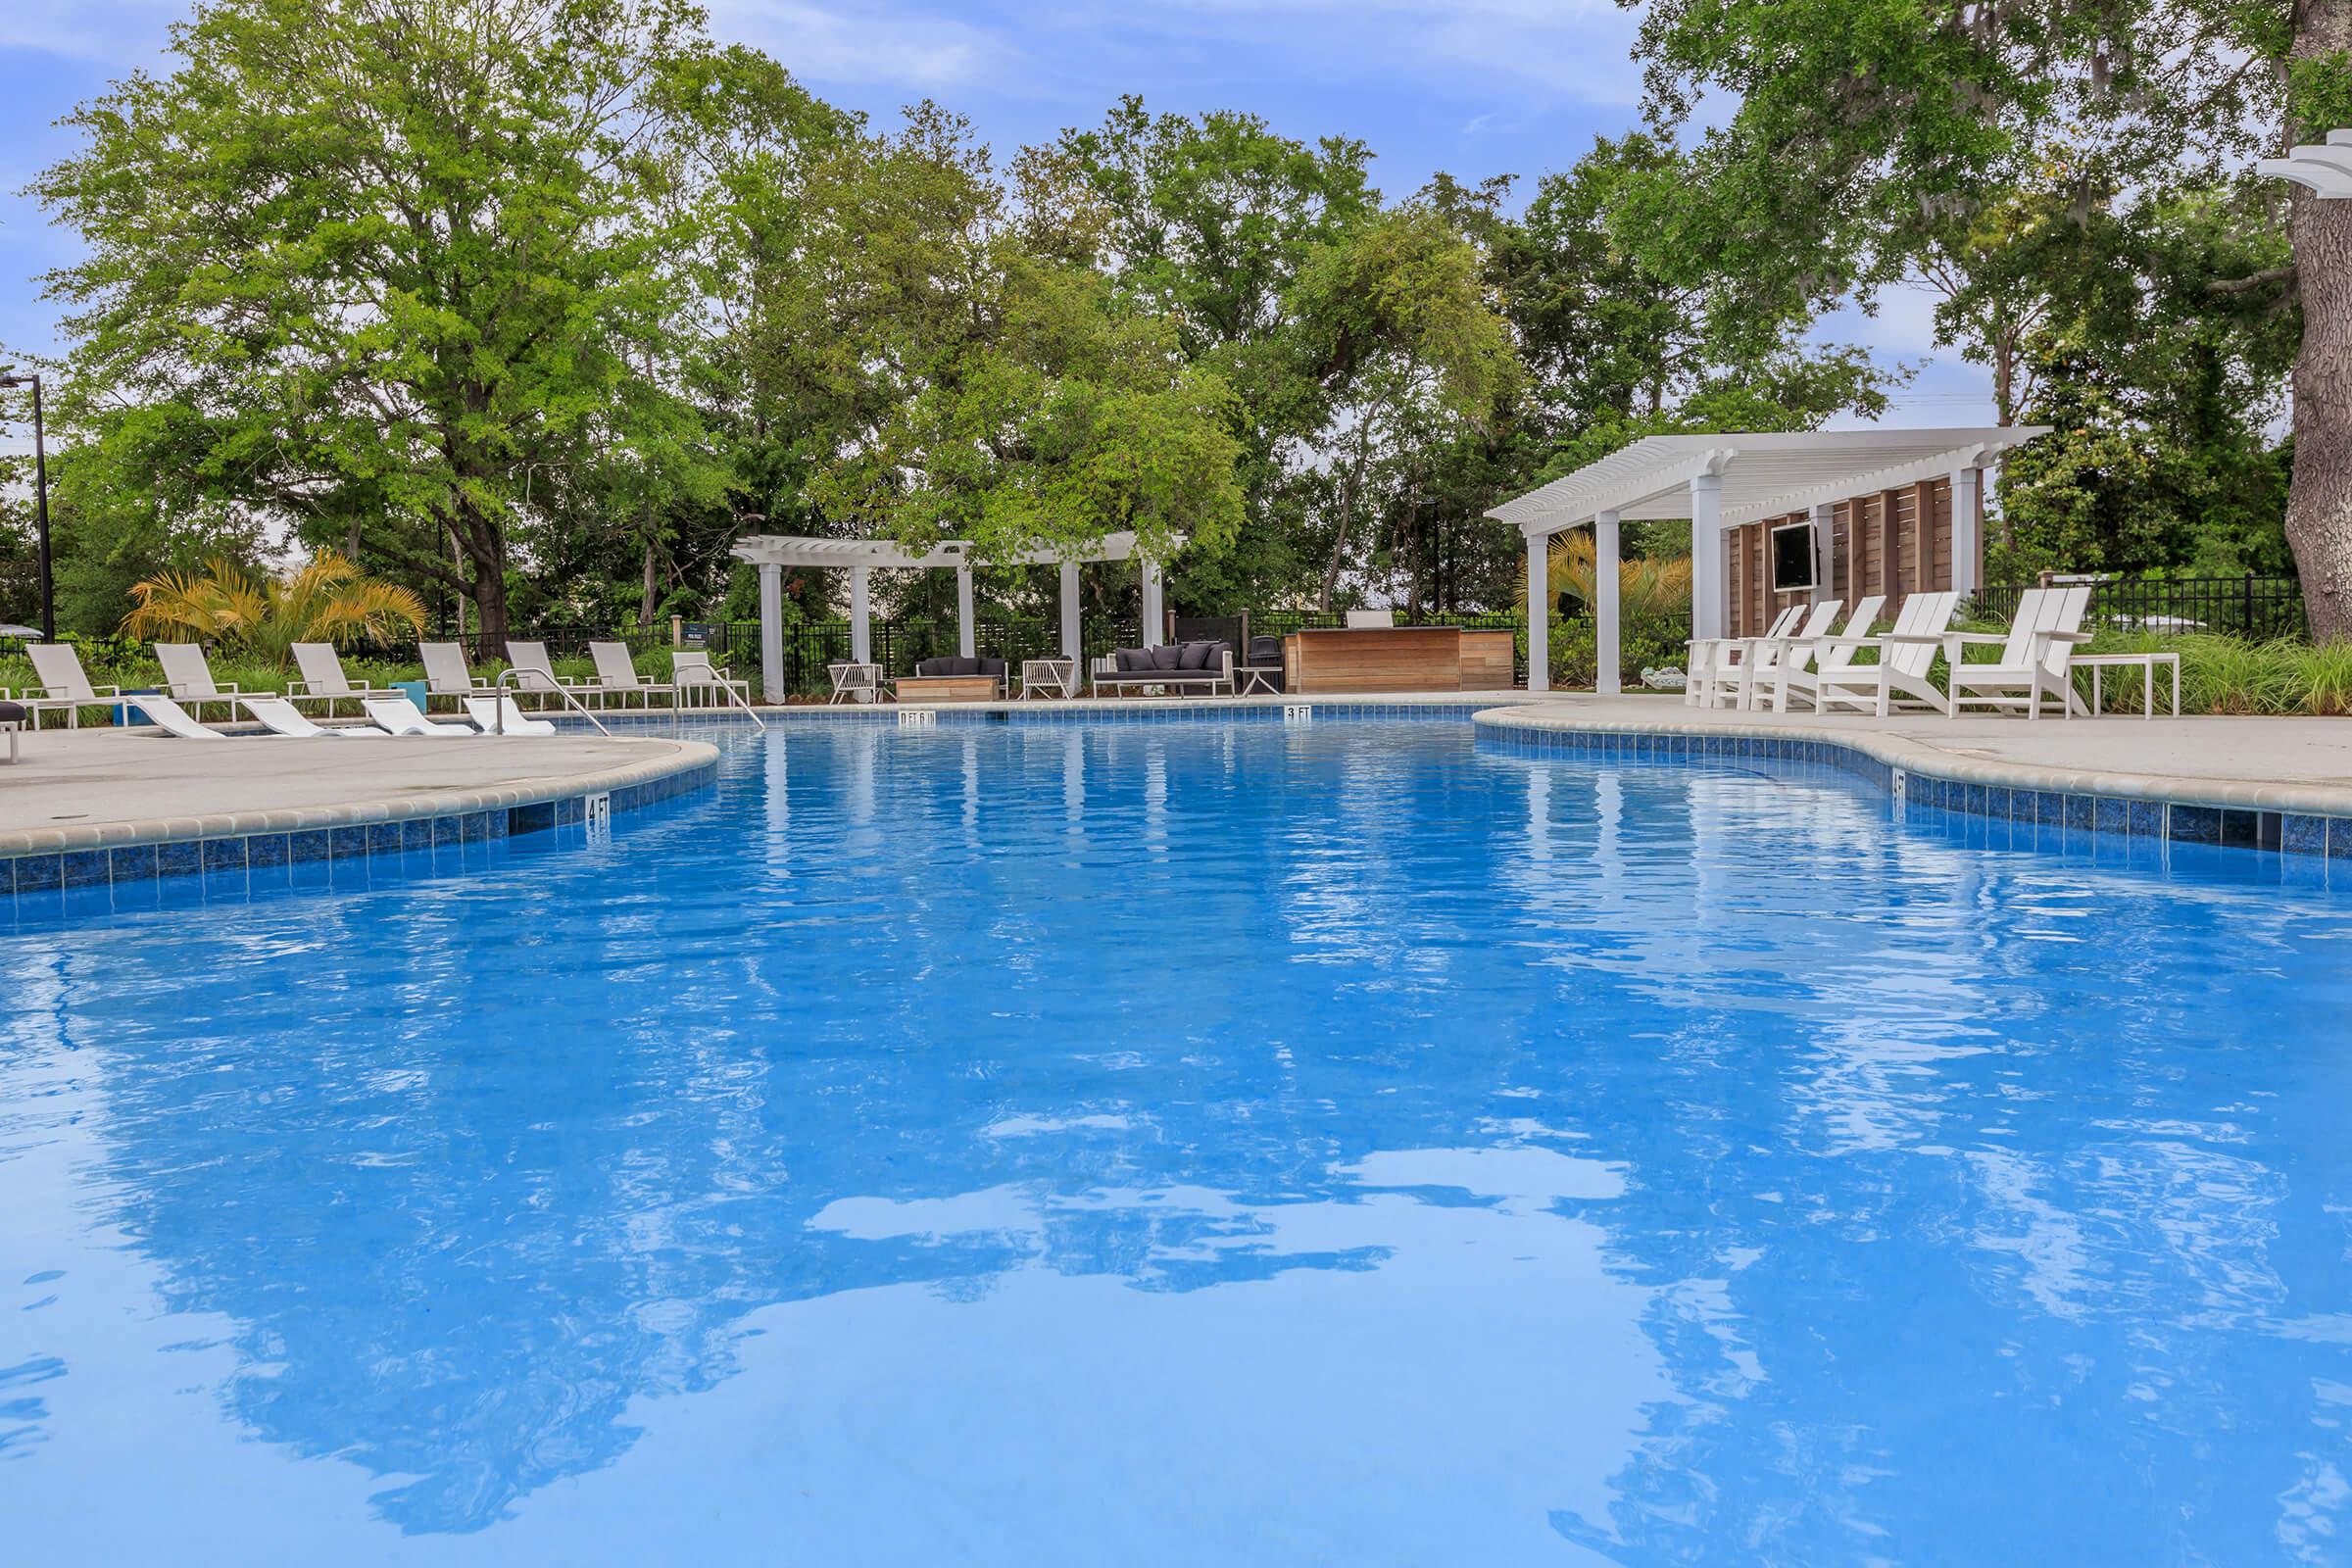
[(323, 678), (64, 687), (188, 676), (395, 714), (692, 672), (279, 716), (170, 717), (2035, 661), (486, 713), (1711, 659), (1794, 674), (1906, 656), (534, 671), (1738, 686), (616, 676), (444, 672)]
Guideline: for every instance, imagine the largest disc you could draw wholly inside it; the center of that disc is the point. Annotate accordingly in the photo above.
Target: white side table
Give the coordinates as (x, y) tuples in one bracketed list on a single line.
[(2146, 664)]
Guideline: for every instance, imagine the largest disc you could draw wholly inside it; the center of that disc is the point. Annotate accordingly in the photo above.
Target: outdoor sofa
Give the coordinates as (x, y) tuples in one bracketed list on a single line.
[(1171, 667)]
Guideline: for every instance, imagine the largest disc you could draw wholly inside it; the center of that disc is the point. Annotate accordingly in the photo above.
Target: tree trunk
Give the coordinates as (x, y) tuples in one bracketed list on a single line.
[(2319, 500), (486, 553), (650, 599), (1348, 498)]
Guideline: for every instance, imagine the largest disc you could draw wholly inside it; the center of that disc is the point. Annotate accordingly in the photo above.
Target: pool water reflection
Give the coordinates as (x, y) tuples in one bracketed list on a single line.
[(1170, 1143)]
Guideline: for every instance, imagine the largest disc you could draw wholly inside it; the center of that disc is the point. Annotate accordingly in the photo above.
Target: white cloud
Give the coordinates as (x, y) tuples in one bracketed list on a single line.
[(884, 45)]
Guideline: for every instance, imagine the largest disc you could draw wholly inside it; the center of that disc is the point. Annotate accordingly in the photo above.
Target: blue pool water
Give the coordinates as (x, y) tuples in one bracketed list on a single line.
[(1190, 1142)]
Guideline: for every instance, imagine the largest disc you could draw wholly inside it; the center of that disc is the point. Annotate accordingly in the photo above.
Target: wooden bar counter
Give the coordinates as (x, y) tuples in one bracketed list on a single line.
[(1397, 658)]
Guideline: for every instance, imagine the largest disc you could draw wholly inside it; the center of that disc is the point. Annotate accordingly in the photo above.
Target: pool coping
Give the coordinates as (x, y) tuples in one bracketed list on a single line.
[(2248, 813), (133, 850)]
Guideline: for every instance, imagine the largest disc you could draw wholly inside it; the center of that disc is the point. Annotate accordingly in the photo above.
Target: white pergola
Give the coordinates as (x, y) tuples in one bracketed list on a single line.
[(2325, 169), (862, 558), (1723, 481)]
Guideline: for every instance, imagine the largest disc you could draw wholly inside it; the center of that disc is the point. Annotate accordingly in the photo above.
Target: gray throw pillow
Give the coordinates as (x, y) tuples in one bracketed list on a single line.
[(1195, 656), (1167, 656), (1131, 659)]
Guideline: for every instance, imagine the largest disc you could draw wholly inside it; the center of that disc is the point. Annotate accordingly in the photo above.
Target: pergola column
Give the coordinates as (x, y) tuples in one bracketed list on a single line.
[(772, 630), (1152, 618), (1608, 679), (1967, 529), (965, 644), (862, 616), (1706, 555), (1539, 612), (1073, 644)]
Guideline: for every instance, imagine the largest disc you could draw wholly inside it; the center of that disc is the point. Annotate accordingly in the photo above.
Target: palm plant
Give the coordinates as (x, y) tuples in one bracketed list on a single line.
[(1646, 585), (326, 600)]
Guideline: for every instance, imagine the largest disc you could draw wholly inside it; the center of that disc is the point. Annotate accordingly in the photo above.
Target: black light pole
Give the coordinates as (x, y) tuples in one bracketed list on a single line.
[(40, 501)]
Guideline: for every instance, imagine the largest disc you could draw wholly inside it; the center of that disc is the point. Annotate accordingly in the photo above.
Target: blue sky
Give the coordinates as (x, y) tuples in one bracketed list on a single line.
[(1475, 89)]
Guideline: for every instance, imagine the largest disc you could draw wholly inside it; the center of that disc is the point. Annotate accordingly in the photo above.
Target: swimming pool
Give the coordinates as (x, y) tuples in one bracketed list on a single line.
[(1185, 1141)]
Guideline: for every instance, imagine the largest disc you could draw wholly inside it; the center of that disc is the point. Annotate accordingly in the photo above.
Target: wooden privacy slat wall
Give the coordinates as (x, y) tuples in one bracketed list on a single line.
[(1894, 542)]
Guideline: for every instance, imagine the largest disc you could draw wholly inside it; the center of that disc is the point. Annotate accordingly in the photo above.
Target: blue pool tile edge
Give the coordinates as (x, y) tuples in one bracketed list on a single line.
[(2070, 810), (468, 822)]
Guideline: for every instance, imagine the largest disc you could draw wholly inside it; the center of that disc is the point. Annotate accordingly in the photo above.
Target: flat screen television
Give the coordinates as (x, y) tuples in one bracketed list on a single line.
[(1792, 559)]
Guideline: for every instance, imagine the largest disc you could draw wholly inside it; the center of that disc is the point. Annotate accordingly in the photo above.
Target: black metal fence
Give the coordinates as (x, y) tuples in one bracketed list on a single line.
[(2254, 607)]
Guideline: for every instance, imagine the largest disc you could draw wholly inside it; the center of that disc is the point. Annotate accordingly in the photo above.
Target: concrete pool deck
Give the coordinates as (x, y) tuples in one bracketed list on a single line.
[(105, 789), (2263, 765)]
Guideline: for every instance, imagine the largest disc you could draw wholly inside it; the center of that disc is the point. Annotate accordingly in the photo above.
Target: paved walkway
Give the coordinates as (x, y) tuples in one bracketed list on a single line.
[(2299, 764), (104, 786)]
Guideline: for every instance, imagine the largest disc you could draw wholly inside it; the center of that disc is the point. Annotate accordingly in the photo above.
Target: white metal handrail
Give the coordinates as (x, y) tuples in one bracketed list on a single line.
[(498, 713), (719, 681)]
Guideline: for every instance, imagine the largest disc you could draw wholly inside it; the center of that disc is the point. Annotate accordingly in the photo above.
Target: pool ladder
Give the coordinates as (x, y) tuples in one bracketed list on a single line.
[(498, 711)]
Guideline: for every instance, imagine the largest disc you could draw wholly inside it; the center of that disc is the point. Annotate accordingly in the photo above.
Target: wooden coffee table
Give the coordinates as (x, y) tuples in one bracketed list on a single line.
[(946, 689)]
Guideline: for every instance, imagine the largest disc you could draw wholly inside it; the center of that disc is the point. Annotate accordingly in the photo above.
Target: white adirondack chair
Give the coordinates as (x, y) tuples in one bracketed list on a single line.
[(1906, 656), (2036, 659), (1711, 659), (1795, 673), (188, 678), (1764, 656)]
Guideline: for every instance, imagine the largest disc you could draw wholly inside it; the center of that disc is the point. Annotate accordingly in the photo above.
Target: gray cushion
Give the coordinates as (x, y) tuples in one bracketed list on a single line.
[(12, 712), (1131, 659), (1193, 656), (934, 666), (965, 666), (991, 666), (1167, 656)]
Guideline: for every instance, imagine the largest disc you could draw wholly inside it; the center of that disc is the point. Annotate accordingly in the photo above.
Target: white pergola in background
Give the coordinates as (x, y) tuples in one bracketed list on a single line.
[(862, 558), (1724, 481), (2325, 169)]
